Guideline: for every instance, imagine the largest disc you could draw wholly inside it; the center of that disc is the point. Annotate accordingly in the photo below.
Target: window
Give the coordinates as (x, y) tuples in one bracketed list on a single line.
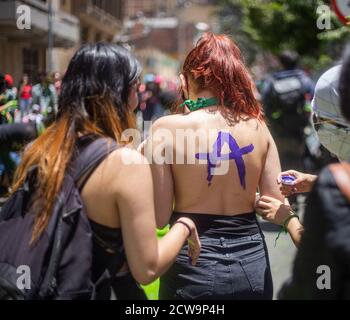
[(31, 62), (84, 34)]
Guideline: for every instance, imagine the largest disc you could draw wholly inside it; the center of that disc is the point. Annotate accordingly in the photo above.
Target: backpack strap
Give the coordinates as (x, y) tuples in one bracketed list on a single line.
[(91, 152), (341, 174)]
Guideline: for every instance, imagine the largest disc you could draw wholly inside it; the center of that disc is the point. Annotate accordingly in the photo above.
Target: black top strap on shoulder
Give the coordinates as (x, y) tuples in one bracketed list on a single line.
[(90, 153)]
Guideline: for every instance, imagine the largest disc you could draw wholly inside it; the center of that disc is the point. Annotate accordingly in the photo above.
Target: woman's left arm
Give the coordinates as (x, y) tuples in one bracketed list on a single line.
[(276, 212), (268, 185)]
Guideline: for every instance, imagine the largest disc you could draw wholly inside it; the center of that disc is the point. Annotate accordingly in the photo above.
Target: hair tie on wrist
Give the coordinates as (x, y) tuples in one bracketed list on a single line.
[(186, 225), (284, 226)]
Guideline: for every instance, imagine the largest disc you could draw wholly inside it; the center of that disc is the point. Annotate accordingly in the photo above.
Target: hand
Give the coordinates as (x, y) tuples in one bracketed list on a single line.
[(303, 183), (194, 244), (273, 210)]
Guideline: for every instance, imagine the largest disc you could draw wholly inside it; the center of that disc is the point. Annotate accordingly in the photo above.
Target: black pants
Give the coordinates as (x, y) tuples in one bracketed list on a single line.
[(229, 267), (126, 288)]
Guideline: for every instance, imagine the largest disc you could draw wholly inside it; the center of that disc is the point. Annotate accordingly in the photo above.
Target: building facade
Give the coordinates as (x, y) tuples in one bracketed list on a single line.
[(162, 32), (25, 50)]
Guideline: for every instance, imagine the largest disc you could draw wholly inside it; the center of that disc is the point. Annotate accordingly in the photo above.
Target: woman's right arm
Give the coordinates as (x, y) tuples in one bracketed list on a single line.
[(147, 257)]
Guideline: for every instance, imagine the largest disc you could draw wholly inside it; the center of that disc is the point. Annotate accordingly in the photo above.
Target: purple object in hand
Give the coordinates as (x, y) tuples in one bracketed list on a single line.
[(288, 180)]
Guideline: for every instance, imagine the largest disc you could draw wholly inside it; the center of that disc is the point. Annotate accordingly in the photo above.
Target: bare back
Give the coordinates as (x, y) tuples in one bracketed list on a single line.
[(237, 164)]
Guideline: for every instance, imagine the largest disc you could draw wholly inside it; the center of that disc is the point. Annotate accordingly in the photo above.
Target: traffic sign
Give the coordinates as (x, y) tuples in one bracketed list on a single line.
[(342, 10)]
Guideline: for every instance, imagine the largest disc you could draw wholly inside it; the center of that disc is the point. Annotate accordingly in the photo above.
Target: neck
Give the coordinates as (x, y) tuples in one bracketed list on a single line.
[(200, 103), (207, 94)]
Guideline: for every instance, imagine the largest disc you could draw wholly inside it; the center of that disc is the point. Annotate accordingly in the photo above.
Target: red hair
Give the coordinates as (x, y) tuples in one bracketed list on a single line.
[(216, 64)]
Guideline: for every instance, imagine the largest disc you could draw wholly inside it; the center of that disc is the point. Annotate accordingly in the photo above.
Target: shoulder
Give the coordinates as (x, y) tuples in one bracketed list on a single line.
[(122, 166), (327, 184), (330, 211), (126, 156), (327, 195), (261, 128), (326, 179), (171, 122), (169, 119)]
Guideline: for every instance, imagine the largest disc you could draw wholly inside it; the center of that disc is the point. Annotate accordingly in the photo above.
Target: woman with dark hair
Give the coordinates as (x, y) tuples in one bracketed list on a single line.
[(221, 152), (98, 96)]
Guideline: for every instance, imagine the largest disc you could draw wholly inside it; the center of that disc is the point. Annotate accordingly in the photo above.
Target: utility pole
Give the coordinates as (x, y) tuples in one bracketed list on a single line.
[(50, 37), (180, 30)]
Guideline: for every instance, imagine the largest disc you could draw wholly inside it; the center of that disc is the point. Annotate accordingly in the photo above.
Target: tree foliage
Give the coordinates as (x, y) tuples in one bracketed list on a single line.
[(281, 24)]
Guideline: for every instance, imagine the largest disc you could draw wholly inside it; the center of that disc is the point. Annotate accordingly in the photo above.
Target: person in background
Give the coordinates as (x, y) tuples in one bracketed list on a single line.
[(153, 108), (331, 128), (286, 96), (25, 95), (3, 86), (3, 98), (324, 238), (11, 91), (7, 163), (57, 81), (44, 95)]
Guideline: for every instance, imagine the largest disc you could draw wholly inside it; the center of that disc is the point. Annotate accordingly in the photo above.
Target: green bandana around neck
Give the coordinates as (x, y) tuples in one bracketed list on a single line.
[(200, 103)]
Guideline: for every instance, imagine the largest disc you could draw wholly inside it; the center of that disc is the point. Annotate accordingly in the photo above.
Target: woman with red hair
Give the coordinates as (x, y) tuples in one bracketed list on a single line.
[(219, 154)]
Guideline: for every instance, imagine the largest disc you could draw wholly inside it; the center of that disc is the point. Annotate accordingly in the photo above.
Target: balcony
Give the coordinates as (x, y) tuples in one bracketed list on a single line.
[(65, 26), (92, 15)]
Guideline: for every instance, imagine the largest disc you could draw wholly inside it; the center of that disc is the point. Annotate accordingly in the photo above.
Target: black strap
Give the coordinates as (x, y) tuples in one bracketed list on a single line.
[(89, 156), (91, 152)]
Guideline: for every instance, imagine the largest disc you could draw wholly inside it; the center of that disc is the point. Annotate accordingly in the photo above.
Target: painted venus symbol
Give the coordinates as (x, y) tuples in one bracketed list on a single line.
[(236, 153)]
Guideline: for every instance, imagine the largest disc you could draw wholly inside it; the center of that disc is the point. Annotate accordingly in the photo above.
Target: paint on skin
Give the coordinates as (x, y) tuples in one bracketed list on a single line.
[(236, 153)]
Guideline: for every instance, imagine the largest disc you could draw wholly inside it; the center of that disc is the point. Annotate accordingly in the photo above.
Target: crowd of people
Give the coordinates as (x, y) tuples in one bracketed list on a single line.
[(26, 110), (82, 172)]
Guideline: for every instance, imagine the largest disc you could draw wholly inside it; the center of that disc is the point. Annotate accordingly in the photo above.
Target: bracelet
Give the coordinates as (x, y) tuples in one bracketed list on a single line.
[(284, 226), (186, 225), (285, 223)]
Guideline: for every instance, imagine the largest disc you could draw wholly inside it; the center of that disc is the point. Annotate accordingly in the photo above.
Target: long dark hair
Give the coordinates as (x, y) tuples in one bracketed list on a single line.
[(94, 99)]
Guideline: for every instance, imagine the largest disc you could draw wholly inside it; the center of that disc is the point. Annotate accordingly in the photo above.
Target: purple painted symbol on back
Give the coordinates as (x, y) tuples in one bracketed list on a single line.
[(236, 153)]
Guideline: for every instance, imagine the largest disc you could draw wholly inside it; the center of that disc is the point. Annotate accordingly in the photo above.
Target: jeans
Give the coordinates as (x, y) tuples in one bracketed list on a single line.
[(24, 105), (229, 268)]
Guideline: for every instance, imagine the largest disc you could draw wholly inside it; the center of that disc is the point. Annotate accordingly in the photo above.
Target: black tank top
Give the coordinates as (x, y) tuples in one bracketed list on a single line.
[(109, 255), (108, 250)]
